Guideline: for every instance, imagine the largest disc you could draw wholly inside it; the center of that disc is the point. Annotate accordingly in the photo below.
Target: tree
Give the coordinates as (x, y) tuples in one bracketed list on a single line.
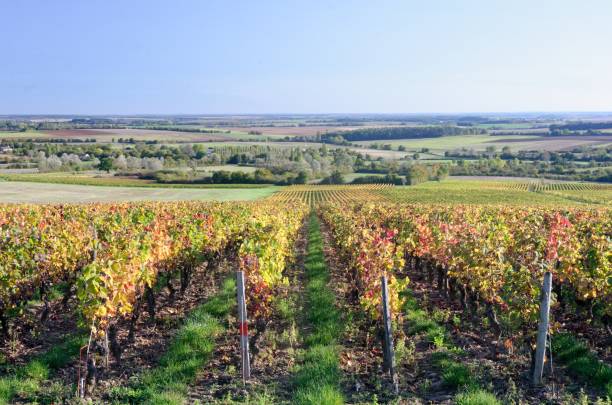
[(335, 178), (442, 172), (106, 164), (301, 178), (417, 174), (120, 163)]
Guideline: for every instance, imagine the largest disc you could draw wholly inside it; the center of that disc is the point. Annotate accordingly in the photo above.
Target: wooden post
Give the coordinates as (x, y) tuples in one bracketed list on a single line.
[(244, 329), (389, 356), (542, 329)]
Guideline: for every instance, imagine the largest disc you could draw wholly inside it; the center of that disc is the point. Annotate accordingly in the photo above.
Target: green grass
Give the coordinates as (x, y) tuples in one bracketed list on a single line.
[(317, 378), (84, 179), (454, 373), (476, 397), (581, 362), (419, 321), (27, 192), (28, 381), (190, 349), (477, 142), (26, 135)]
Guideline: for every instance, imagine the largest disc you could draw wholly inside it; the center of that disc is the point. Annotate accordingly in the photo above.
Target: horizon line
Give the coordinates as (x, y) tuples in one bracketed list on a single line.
[(431, 113)]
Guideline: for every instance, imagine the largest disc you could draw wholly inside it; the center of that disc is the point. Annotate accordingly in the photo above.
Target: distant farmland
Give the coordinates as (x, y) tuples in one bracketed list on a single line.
[(26, 192), (296, 130), (481, 142)]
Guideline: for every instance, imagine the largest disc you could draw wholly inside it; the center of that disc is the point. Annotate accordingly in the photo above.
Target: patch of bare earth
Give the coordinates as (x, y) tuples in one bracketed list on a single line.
[(30, 336), (74, 133)]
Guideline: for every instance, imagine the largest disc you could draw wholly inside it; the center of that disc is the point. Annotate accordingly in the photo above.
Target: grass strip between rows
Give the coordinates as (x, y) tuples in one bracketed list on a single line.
[(190, 349), (454, 373), (581, 362), (27, 381), (317, 379)]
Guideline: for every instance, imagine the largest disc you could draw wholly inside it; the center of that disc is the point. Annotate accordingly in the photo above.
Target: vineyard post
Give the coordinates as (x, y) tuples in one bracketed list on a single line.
[(244, 331), (542, 329), (389, 357)]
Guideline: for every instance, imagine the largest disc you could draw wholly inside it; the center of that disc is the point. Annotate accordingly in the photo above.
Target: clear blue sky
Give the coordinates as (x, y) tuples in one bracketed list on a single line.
[(257, 56)]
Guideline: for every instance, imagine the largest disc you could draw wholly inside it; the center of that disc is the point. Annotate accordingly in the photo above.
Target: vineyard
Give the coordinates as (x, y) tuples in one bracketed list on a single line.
[(516, 193), (581, 192), (136, 302), (543, 187), (496, 256), (453, 192), (315, 195)]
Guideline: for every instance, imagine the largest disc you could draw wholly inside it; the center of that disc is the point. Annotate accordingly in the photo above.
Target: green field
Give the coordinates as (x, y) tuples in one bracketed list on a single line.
[(493, 192), (94, 186), (479, 142), (26, 135), (27, 192), (95, 178)]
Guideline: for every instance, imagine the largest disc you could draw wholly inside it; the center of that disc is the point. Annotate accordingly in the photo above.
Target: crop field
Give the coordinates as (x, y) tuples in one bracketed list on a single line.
[(20, 135), (321, 194), (451, 142), (462, 292), (96, 178), (592, 193), (294, 130), (481, 192), (514, 142), (502, 192), (107, 135), (35, 192)]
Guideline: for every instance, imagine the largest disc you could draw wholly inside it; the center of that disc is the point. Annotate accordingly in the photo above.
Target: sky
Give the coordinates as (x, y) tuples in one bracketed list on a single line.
[(344, 56)]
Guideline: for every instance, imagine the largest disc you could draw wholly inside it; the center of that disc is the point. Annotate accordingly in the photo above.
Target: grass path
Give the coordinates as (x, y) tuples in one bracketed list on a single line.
[(317, 379), (29, 382)]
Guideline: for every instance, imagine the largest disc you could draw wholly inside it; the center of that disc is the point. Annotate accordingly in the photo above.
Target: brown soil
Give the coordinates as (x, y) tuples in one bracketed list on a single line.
[(30, 337), (75, 133)]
